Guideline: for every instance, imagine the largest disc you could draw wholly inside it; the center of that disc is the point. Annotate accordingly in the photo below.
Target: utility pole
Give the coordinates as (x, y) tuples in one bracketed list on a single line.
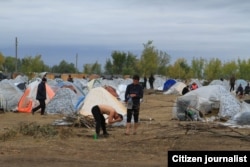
[(16, 53), (76, 62)]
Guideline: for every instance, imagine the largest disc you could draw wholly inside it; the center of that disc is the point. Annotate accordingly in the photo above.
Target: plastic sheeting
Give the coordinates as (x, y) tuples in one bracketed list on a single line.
[(243, 117), (9, 95), (205, 98), (65, 102)]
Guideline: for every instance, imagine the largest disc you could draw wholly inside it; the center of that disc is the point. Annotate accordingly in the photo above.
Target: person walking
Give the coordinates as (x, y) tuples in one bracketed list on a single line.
[(133, 94), (113, 116), (41, 96)]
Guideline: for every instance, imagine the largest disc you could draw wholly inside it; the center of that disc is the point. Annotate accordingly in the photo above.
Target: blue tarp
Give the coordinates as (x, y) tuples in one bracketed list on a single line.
[(168, 84)]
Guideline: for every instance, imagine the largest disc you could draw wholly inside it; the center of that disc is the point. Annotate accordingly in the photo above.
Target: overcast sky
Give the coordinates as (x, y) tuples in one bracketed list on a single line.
[(60, 29)]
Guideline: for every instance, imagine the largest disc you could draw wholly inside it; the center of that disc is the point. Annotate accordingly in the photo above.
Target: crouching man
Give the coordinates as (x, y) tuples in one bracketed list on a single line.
[(113, 116)]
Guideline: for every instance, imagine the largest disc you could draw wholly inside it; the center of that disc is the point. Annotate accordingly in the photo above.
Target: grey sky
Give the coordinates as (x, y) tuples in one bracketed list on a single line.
[(59, 29)]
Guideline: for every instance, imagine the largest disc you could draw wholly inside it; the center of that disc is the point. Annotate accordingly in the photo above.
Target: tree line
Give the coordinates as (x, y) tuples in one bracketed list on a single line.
[(151, 61)]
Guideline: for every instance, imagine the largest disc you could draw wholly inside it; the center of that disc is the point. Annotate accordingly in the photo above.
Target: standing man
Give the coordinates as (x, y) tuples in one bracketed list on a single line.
[(232, 83), (135, 92), (41, 96), (145, 82), (98, 111), (151, 81)]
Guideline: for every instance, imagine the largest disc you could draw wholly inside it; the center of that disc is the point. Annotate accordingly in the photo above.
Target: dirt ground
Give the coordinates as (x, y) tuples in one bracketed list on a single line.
[(75, 146)]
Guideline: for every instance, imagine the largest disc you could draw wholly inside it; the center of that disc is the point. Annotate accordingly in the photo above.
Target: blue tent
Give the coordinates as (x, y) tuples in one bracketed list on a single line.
[(168, 84)]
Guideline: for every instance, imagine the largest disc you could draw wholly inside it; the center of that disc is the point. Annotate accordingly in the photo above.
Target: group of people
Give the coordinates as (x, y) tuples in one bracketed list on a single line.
[(243, 91), (151, 80), (188, 88), (134, 91), (240, 91)]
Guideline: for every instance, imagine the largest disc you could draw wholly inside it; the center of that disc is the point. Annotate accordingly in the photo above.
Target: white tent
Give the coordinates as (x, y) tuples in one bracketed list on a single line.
[(28, 99), (9, 95), (206, 98), (175, 89), (224, 83), (101, 96)]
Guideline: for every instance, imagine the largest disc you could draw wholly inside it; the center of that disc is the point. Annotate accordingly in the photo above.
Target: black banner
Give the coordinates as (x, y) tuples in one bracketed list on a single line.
[(209, 158)]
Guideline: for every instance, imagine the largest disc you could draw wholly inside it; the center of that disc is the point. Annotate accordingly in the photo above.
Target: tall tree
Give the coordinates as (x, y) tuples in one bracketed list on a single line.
[(197, 67), (96, 68), (119, 59), (2, 59), (149, 59), (33, 64), (179, 70), (131, 65), (108, 67), (243, 69), (213, 69), (163, 61), (228, 69), (121, 63), (10, 64), (92, 68), (64, 67)]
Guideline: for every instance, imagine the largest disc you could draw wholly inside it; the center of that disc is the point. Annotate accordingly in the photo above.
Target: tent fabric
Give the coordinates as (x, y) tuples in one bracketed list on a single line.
[(242, 82), (94, 83), (224, 83), (175, 89), (9, 95), (243, 117), (168, 84), (195, 81), (65, 102), (101, 96), (28, 99), (111, 90), (206, 98)]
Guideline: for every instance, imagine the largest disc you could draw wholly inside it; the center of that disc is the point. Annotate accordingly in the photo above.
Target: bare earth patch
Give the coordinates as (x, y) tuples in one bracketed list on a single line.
[(75, 146)]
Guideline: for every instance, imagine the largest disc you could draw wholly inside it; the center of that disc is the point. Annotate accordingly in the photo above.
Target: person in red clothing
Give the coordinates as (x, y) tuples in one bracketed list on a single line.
[(194, 86)]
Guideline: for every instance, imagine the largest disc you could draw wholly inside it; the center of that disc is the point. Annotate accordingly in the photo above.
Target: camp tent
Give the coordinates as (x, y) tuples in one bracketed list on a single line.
[(100, 95), (168, 84), (28, 99), (9, 95), (65, 102), (175, 89), (224, 83), (242, 118), (205, 99), (242, 82)]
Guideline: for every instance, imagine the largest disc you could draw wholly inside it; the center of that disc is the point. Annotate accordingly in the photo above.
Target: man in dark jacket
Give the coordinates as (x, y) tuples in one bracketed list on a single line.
[(151, 81), (41, 97), (240, 91), (134, 91)]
